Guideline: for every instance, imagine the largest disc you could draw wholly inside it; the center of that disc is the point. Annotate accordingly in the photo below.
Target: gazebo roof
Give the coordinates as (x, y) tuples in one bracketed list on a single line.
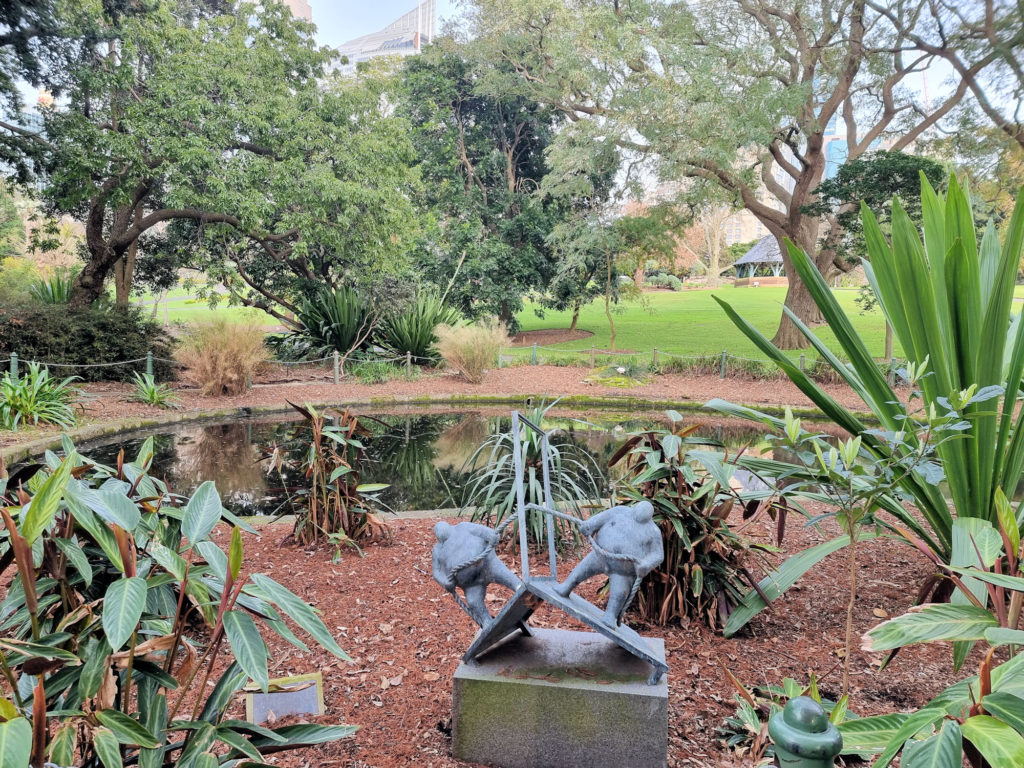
[(765, 251)]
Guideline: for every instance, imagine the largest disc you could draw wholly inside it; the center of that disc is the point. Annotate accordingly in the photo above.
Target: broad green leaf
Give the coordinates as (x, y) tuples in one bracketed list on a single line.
[(223, 692), (202, 513), (15, 743), (155, 720), (94, 526), (237, 741), (1006, 707), (371, 487), (38, 650), (96, 663), (107, 748), (928, 623), (122, 609), (118, 509), (145, 454), (787, 574), (298, 611), (205, 760), (997, 742), (235, 553), (170, 560), (1007, 520), (216, 558), (39, 513), (293, 736), (941, 750), (73, 552), (62, 746), (248, 646), (912, 724), (126, 729), (1002, 636), (869, 734)]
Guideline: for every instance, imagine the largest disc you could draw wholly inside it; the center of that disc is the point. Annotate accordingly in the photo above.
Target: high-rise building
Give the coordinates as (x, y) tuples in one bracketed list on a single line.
[(405, 36), (300, 9)]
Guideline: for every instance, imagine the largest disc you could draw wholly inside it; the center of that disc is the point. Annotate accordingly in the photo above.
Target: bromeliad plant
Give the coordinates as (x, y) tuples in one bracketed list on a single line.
[(332, 505), (146, 389), (490, 491), (119, 609), (949, 301), (707, 565), (333, 320), (37, 398)]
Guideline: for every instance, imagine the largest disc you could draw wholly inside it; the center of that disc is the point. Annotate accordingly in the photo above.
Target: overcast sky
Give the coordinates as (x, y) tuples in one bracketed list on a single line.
[(338, 21)]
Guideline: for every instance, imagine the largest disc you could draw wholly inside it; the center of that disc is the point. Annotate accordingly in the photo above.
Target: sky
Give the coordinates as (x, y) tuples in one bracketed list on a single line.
[(338, 21)]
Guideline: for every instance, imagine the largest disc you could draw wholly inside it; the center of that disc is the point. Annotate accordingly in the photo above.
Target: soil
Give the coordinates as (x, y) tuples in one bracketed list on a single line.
[(406, 636), (548, 336), (111, 401)]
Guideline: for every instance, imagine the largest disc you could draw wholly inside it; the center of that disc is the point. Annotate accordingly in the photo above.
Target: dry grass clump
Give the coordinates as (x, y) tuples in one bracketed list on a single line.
[(222, 356), (471, 349)]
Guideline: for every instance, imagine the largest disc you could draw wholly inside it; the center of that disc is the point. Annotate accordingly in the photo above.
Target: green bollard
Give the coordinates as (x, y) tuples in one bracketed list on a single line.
[(14, 365), (803, 735), (149, 363)]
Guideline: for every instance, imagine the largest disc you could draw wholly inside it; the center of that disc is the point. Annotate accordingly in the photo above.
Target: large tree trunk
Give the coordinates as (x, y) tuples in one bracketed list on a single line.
[(124, 275), (798, 298), (575, 317), (88, 286), (638, 277)]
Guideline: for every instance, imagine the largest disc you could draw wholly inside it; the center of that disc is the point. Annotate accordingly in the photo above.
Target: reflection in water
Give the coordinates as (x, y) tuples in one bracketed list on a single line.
[(421, 456)]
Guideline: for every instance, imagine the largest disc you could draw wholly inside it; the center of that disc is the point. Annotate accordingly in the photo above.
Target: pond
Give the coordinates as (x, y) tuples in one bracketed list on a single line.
[(422, 455)]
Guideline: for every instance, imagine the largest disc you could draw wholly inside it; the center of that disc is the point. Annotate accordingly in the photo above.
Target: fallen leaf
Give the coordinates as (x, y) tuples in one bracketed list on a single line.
[(397, 680), (385, 628), (431, 676), (881, 613)]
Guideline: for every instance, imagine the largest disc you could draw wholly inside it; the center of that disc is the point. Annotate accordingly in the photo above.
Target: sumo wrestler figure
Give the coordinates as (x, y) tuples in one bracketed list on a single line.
[(464, 557)]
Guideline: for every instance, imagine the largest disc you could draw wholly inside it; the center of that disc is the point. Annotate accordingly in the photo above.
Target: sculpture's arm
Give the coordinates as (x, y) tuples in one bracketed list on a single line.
[(652, 560), (442, 576), (593, 524), (488, 535)]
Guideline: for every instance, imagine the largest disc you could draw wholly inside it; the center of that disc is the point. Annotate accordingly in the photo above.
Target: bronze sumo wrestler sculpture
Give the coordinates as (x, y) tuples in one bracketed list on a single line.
[(464, 557)]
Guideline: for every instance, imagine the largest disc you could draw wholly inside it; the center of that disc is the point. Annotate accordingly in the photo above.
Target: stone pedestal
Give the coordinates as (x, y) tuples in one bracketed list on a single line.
[(560, 699)]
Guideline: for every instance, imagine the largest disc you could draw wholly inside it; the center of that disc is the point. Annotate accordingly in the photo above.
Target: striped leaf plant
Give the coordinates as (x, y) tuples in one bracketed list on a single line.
[(949, 299)]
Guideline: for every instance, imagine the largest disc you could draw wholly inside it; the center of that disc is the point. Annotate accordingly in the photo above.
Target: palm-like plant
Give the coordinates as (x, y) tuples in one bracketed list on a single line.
[(333, 319), (38, 398), (490, 491), (949, 301), (412, 330)]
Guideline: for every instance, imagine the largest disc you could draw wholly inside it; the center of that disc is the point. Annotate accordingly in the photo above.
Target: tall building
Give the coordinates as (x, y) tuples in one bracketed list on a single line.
[(300, 9), (405, 36)]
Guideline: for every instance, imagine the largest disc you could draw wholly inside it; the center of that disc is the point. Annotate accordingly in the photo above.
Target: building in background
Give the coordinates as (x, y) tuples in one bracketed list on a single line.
[(405, 36), (300, 9)]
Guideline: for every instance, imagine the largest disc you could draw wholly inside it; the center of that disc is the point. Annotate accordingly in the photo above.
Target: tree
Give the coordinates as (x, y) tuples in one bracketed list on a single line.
[(482, 161), (229, 121), (734, 96)]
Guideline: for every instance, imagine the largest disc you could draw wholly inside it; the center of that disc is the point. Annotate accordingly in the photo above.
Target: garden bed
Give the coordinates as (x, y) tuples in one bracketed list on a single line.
[(406, 636)]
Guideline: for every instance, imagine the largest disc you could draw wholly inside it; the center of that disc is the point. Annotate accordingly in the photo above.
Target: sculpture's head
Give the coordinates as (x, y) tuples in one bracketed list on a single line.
[(643, 512), (442, 531)]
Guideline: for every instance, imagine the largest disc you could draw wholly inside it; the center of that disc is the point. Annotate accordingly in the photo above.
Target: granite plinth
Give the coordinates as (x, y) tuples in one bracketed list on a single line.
[(560, 699)]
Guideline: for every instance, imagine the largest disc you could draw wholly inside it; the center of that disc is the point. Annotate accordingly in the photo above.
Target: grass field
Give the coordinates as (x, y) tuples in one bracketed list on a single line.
[(690, 323)]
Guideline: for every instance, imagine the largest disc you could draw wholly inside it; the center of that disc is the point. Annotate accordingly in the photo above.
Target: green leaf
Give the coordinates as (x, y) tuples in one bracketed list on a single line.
[(997, 742), (39, 513), (1001, 636), (127, 730), (371, 487), (1006, 707), (298, 611), (304, 735), (62, 746), (96, 663), (202, 513), (15, 743), (119, 509), (168, 559), (941, 750), (235, 553), (122, 609), (73, 552), (780, 580), (205, 760), (38, 650), (248, 646), (107, 748), (928, 623)]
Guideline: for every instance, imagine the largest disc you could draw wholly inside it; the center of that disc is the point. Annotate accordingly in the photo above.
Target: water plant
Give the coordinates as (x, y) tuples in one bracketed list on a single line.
[(147, 390), (110, 639), (490, 491), (707, 565), (949, 300), (36, 397), (332, 505)]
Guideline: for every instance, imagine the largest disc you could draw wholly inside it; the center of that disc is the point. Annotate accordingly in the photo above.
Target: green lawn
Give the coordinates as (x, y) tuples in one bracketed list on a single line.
[(690, 323)]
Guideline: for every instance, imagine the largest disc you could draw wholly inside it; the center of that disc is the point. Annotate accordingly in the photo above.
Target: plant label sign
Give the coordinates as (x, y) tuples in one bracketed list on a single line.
[(296, 695)]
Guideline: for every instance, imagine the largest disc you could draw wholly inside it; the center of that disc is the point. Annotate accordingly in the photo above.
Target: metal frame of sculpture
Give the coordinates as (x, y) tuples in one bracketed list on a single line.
[(625, 544)]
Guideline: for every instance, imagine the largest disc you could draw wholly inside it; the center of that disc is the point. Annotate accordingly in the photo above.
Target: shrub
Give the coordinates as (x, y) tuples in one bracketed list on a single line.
[(332, 320), (671, 282), (222, 356), (375, 371), (148, 391), (55, 289), (707, 562), (17, 275), (471, 349), (106, 631), (67, 336), (413, 330), (36, 397), (490, 490)]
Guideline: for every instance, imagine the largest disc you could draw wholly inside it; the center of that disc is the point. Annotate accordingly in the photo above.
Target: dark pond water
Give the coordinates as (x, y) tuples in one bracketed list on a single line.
[(421, 456)]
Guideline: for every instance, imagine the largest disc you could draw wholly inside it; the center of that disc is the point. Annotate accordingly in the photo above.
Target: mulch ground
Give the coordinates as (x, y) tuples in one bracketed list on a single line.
[(406, 636)]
